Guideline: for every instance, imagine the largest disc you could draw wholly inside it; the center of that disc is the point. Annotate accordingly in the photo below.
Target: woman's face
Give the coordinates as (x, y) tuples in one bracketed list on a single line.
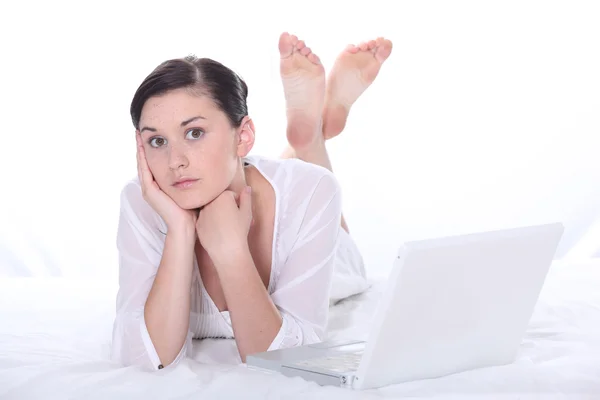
[(186, 136)]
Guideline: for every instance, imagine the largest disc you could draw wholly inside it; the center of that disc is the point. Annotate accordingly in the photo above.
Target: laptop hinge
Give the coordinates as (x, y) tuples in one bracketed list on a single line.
[(347, 380)]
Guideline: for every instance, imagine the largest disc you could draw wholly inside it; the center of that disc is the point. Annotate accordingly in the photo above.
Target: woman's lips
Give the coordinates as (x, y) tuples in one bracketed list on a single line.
[(185, 184)]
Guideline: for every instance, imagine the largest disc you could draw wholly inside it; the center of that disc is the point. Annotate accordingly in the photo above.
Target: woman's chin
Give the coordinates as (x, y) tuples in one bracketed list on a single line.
[(190, 205), (189, 202), (192, 200)]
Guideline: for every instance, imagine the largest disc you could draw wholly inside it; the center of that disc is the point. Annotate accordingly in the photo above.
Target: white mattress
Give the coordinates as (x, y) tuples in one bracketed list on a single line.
[(55, 338)]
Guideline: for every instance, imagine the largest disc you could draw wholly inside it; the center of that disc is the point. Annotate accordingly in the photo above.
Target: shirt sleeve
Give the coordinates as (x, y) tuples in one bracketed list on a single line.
[(140, 247), (304, 282)]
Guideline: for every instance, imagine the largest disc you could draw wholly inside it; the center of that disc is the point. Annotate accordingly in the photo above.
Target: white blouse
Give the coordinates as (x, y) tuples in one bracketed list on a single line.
[(314, 262)]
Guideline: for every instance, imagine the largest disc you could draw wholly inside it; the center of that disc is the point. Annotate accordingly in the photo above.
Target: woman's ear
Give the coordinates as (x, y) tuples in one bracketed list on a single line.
[(245, 137)]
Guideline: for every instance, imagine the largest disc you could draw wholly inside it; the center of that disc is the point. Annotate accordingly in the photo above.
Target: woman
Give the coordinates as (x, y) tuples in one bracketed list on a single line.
[(215, 243)]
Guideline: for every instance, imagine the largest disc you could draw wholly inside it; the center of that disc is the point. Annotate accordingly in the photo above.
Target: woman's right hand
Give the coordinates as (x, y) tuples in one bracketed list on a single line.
[(174, 216)]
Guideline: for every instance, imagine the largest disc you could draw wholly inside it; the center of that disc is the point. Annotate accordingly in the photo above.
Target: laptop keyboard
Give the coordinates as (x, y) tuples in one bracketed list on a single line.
[(338, 363)]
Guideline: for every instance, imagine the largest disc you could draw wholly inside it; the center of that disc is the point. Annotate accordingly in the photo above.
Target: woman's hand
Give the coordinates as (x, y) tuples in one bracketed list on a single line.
[(223, 226), (174, 216)]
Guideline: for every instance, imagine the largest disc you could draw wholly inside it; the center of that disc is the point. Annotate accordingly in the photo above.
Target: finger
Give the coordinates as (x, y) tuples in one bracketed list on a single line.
[(137, 156), (146, 175), (141, 173)]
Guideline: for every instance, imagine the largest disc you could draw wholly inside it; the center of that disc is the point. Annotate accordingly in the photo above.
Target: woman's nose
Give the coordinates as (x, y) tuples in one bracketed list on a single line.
[(177, 158)]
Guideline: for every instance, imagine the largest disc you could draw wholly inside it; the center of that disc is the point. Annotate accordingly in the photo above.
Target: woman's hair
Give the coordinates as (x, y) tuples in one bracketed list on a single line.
[(202, 76)]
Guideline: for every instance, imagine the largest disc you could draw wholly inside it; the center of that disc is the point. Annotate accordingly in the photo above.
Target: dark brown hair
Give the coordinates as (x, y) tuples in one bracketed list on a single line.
[(203, 76)]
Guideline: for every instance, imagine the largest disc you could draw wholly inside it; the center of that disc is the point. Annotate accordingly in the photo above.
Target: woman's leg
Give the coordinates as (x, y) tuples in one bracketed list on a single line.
[(316, 111)]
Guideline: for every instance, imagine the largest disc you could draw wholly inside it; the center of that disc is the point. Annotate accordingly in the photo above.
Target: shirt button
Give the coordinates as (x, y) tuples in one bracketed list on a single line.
[(160, 366)]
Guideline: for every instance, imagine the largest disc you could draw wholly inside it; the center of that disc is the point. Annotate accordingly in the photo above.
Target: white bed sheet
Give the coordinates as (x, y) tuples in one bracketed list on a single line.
[(55, 338)]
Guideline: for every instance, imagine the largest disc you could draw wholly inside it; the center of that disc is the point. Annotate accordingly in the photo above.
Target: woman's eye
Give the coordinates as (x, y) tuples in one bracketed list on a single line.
[(194, 134), (157, 142)]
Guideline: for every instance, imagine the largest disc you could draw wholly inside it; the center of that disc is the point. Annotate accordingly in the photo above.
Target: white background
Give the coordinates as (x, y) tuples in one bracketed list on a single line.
[(486, 116)]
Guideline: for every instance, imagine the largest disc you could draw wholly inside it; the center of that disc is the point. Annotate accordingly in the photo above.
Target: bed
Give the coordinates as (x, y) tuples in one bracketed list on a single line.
[(55, 340)]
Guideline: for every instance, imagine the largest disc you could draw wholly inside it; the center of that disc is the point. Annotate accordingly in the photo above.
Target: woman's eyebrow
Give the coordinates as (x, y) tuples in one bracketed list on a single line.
[(184, 123), (187, 121), (147, 128)]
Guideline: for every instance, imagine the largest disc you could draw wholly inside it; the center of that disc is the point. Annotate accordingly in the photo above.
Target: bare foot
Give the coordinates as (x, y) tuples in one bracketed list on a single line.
[(354, 70), (303, 79)]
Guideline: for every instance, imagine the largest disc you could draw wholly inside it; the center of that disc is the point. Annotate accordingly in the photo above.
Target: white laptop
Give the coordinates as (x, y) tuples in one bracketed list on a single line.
[(451, 305)]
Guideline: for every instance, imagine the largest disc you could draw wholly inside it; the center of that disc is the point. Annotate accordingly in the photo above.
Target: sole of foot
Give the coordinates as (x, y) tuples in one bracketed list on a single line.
[(354, 71), (303, 79)]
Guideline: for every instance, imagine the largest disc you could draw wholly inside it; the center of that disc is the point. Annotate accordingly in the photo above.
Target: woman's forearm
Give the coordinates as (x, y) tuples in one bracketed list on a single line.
[(167, 311), (254, 318)]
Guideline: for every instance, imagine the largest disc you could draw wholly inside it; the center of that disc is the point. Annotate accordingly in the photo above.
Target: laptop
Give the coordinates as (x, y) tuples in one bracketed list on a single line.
[(452, 304)]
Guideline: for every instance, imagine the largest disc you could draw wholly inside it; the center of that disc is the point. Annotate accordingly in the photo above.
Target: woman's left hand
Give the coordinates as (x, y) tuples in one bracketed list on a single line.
[(223, 226)]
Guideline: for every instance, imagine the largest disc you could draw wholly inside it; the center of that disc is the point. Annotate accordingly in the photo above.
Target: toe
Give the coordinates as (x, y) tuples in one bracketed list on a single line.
[(305, 51), (364, 46), (294, 39), (351, 48), (300, 45), (312, 57), (383, 51), (372, 44), (285, 45)]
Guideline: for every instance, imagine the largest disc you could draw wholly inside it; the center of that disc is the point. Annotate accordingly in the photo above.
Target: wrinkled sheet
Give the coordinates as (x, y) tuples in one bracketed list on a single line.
[(55, 340)]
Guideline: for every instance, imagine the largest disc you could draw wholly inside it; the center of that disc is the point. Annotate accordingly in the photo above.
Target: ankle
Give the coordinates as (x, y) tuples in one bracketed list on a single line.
[(309, 150), (303, 134)]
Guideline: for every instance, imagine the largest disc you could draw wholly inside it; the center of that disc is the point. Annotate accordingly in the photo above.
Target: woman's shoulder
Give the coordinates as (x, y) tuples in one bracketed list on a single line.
[(131, 193), (291, 173), (134, 207), (298, 186)]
